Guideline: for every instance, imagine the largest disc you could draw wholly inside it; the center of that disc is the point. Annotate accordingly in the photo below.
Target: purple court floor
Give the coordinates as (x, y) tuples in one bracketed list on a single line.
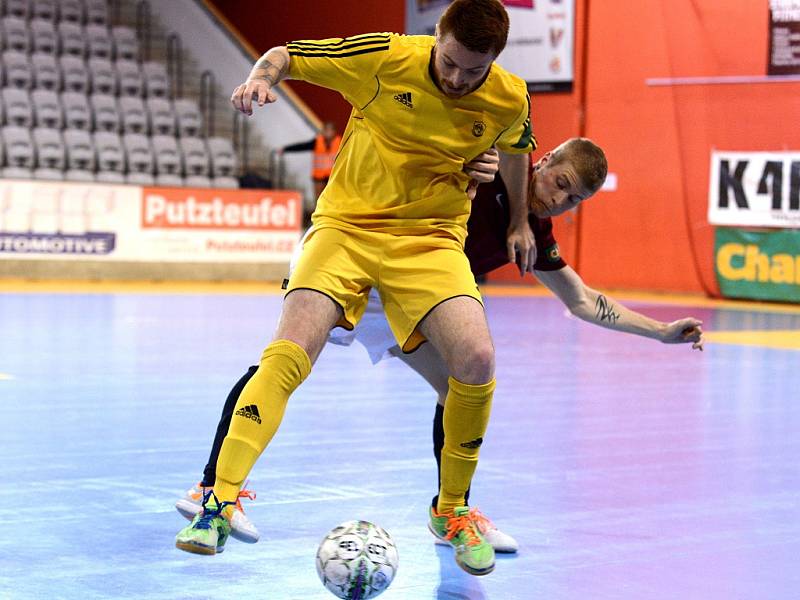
[(625, 468)]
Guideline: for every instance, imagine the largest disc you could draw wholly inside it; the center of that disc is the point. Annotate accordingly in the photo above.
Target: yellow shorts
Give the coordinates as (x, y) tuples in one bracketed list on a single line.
[(413, 274)]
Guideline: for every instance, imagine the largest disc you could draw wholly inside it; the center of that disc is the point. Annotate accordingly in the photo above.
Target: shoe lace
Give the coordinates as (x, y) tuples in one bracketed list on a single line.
[(482, 522), (209, 514), (465, 525), (244, 493)]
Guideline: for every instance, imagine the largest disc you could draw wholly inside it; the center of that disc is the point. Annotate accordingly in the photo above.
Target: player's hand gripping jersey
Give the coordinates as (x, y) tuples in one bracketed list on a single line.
[(399, 169)]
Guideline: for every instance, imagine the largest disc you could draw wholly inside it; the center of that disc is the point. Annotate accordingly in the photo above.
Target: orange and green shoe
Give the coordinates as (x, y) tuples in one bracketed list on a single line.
[(209, 530), (473, 553)]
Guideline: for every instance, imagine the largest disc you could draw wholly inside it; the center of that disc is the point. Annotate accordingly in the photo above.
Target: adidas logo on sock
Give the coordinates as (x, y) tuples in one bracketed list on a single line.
[(249, 412), (405, 99), (473, 444)]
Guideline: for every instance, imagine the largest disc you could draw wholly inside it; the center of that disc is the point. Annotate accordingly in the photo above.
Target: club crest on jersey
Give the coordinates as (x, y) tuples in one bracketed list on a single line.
[(478, 127)]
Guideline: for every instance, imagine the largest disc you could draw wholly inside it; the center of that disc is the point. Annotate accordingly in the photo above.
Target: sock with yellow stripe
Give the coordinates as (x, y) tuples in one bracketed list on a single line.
[(258, 414), (466, 415)]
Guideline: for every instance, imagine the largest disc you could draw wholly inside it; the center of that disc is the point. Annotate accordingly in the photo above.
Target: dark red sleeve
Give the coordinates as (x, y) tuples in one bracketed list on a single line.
[(548, 256), (487, 227)]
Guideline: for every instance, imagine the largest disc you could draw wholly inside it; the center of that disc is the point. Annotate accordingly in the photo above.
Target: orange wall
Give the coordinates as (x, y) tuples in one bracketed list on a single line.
[(659, 139), (652, 232)]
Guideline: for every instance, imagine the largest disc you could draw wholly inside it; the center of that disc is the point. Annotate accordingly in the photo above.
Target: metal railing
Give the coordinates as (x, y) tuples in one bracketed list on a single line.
[(207, 105), (175, 65), (144, 29)]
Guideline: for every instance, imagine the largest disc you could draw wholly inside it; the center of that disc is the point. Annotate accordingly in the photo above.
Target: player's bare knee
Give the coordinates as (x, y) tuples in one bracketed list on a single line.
[(476, 364), (306, 318)]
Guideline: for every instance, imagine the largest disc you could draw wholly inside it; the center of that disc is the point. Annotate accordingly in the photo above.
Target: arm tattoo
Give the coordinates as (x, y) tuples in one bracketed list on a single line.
[(605, 311), (268, 70)]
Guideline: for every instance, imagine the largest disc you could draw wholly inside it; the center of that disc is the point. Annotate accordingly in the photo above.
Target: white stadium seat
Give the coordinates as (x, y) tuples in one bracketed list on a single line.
[(17, 8), (44, 36), (47, 111), (106, 112), (156, 80), (50, 154), (17, 104), (103, 76), (18, 70), (96, 12), (223, 157), (44, 9), (130, 78), (110, 157), (70, 11), (80, 155), (134, 114), (46, 72), (190, 119), (73, 39), (19, 152), (139, 153), (98, 41), (126, 44), (75, 74), (195, 156), (77, 114), (15, 34)]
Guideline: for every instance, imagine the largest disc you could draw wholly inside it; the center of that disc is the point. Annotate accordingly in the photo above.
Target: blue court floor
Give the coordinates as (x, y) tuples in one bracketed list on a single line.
[(625, 468)]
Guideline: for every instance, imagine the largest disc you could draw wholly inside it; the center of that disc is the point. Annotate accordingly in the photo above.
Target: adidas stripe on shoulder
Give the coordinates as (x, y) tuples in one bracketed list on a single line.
[(341, 47)]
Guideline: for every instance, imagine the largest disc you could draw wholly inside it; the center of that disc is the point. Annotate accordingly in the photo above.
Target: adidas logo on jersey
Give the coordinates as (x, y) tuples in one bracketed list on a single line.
[(405, 99), (249, 412)]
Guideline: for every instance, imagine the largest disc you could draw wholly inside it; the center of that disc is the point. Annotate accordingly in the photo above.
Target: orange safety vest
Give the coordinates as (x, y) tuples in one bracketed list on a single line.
[(324, 156)]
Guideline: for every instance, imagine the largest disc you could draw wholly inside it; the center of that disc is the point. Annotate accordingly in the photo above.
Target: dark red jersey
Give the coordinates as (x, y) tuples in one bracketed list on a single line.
[(487, 227)]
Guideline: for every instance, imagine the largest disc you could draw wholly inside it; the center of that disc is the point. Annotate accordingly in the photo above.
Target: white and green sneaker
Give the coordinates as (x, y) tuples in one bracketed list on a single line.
[(473, 553), (209, 530), (242, 528)]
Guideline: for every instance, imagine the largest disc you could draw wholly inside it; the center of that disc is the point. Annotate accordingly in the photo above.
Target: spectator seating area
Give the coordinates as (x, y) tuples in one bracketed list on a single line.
[(77, 104)]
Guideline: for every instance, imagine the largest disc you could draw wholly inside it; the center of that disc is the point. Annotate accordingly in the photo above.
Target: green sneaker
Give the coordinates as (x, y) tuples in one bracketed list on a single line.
[(208, 531), (473, 553)]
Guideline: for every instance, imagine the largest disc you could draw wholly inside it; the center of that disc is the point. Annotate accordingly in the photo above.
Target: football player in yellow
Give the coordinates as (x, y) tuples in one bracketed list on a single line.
[(392, 217)]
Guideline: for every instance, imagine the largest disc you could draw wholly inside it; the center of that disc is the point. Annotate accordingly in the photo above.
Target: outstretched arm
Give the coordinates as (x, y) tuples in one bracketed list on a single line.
[(594, 307), (519, 237), (268, 71)]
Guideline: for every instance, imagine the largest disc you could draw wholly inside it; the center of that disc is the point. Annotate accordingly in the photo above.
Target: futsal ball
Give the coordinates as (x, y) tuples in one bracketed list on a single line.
[(357, 560)]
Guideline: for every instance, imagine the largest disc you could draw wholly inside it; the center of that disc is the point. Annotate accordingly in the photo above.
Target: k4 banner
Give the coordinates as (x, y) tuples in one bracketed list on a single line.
[(66, 221), (754, 189), (760, 265), (540, 41)]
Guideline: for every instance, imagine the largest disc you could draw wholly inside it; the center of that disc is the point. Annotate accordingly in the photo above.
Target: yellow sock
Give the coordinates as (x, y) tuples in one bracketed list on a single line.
[(258, 413), (466, 415)]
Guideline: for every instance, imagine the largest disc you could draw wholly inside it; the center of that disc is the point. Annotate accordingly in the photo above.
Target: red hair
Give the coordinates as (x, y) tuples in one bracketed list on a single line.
[(478, 25)]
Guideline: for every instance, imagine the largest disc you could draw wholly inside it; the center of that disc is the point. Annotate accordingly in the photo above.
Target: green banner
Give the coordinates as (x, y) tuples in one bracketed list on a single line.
[(760, 265)]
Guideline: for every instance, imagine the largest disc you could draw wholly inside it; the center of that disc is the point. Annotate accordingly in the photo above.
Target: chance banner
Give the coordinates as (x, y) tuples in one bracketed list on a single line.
[(540, 44), (754, 189), (758, 265)]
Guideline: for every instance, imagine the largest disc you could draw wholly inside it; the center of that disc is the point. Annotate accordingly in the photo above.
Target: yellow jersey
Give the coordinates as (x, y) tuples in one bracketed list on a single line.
[(399, 167)]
